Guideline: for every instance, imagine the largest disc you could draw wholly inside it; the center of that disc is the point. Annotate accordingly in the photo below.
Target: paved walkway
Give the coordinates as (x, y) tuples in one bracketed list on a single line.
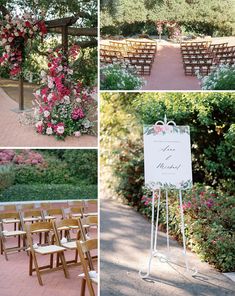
[(125, 238), (13, 134), (168, 72)]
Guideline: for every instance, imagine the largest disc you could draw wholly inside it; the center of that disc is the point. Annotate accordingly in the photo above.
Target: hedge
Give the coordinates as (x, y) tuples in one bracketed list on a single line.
[(23, 192)]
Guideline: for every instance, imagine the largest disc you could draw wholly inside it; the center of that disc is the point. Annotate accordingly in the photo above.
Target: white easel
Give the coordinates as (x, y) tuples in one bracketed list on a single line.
[(154, 228)]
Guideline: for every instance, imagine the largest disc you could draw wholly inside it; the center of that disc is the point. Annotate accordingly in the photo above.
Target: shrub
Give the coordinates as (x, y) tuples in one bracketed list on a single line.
[(209, 222), (21, 192), (53, 172), (115, 77), (209, 218), (7, 176), (221, 78)]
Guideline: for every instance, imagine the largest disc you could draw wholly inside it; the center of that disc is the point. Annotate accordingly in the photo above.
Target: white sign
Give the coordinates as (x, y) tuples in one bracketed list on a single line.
[(167, 157)]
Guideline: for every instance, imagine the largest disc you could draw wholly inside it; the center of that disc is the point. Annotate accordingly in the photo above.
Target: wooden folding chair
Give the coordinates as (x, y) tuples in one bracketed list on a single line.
[(7, 218), (53, 214), (90, 202), (84, 248), (49, 249), (69, 225)]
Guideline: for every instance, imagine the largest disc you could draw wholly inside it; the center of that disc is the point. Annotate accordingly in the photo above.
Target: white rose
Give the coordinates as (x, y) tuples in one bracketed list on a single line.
[(50, 96), (46, 113), (38, 92), (50, 83), (8, 48), (8, 26), (7, 16), (60, 68), (49, 131), (43, 73), (10, 39), (70, 71), (35, 28), (4, 40), (78, 100), (16, 34), (66, 99)]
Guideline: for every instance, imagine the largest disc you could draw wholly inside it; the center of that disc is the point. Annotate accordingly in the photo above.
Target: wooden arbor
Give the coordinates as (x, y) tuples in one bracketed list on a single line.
[(60, 26)]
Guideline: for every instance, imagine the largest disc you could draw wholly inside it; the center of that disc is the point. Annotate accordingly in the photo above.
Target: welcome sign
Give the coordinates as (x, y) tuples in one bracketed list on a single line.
[(167, 157)]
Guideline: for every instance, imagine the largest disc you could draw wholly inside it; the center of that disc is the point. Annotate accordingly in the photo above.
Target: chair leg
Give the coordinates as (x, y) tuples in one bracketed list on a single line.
[(4, 248), (30, 264), (76, 256), (37, 269), (64, 264), (83, 287), (51, 260)]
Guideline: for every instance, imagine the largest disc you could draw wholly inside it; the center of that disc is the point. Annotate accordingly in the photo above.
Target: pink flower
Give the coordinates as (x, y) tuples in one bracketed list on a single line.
[(77, 134), (77, 113), (59, 128)]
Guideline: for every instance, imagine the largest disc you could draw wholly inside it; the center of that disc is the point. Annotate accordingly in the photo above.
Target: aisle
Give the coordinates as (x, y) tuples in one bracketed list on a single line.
[(167, 72), (15, 135), (124, 246)]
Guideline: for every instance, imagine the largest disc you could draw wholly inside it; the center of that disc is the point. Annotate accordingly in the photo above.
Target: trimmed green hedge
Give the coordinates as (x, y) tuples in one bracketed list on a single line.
[(22, 192)]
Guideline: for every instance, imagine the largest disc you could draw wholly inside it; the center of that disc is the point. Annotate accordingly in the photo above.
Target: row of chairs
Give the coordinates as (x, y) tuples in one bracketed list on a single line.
[(134, 54), (203, 57), (60, 235)]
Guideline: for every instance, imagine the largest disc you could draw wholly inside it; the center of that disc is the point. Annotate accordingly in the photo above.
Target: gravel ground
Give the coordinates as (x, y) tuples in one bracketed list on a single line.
[(125, 239)]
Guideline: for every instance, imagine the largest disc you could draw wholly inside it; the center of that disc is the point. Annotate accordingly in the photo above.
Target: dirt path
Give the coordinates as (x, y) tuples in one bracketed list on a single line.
[(125, 238)]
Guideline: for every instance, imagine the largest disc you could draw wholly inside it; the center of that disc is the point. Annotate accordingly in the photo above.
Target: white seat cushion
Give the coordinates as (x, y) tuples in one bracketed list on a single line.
[(13, 233), (70, 245), (11, 221), (49, 249)]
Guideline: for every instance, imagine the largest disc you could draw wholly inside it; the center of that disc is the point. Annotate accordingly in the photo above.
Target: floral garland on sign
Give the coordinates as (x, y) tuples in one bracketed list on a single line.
[(14, 36), (61, 106)]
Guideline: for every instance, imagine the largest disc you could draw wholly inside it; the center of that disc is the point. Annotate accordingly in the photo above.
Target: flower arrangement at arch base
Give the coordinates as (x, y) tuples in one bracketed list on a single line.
[(61, 106)]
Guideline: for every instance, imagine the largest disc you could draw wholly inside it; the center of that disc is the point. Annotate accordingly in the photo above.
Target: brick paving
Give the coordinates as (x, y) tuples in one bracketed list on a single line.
[(13, 134), (15, 279), (167, 71)]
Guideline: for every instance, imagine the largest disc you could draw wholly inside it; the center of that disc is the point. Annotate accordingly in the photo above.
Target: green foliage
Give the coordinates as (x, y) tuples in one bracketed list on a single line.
[(221, 78), (116, 77), (85, 67), (23, 192), (7, 176), (209, 223), (209, 216), (200, 16)]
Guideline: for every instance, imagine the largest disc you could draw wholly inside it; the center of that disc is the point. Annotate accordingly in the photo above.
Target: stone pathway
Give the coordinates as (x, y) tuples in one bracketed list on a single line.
[(168, 72), (15, 135), (125, 239)]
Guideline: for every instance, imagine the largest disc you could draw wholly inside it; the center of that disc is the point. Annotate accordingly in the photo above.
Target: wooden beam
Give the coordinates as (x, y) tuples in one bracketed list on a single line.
[(76, 31), (66, 21), (65, 42), (90, 43)]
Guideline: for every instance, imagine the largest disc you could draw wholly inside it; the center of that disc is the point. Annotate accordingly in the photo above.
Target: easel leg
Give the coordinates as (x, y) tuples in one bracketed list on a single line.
[(167, 223), (182, 229), (152, 241), (156, 227)]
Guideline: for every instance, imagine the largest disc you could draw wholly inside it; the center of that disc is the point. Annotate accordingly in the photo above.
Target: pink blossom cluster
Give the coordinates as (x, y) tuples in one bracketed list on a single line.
[(8, 156), (60, 104), (77, 113), (28, 157), (202, 200), (162, 128), (14, 35), (146, 200)]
